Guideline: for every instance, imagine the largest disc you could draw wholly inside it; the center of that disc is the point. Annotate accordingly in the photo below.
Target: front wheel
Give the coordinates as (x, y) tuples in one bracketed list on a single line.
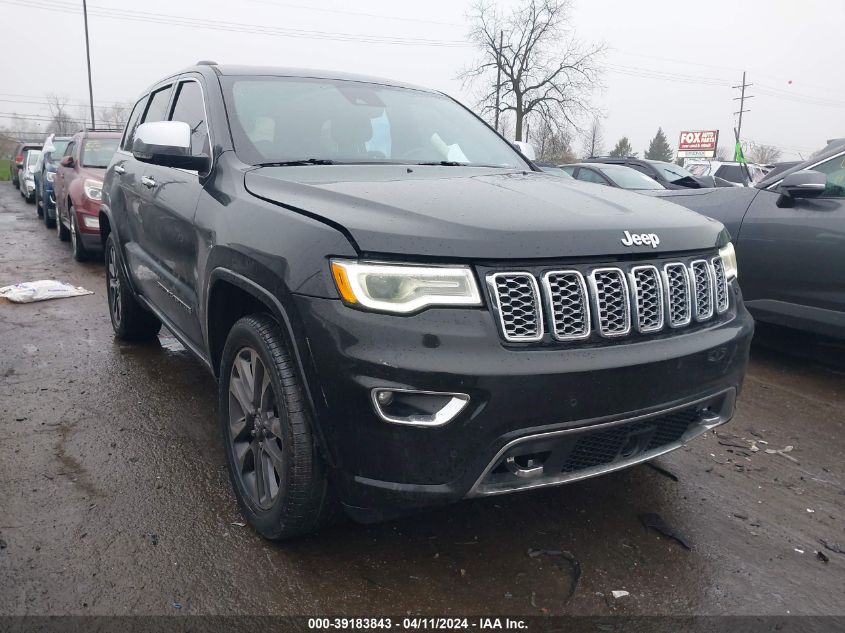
[(278, 476), (61, 230), (80, 254), (129, 320), (39, 205)]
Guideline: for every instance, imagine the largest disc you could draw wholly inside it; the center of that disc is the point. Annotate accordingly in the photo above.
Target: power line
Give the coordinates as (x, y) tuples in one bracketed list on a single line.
[(255, 29)]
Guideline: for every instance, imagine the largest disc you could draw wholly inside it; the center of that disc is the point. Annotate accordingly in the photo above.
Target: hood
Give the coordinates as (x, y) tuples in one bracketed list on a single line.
[(470, 212), (96, 173)]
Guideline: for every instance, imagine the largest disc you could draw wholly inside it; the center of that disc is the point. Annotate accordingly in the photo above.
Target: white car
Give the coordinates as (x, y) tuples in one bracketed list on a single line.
[(731, 171)]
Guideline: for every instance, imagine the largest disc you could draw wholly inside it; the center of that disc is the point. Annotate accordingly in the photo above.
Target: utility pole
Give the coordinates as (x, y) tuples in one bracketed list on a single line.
[(88, 56), (499, 74), (741, 98)]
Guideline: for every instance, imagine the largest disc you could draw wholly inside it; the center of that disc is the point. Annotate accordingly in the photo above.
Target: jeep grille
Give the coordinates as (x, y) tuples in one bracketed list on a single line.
[(611, 301)]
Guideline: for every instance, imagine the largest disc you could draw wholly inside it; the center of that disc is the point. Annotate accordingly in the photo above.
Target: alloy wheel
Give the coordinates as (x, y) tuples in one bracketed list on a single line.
[(113, 278), (255, 429)]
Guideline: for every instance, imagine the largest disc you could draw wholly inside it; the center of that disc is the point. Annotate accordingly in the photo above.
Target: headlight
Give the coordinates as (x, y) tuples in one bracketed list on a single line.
[(93, 189), (51, 176), (403, 288), (728, 255)]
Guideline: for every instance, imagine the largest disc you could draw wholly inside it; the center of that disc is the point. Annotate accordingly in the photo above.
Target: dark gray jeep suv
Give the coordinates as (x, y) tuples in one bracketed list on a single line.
[(400, 310)]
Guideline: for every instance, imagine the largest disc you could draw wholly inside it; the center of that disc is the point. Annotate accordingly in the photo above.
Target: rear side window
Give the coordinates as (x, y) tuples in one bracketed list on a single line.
[(134, 118), (69, 149), (157, 109), (189, 108), (588, 175), (732, 173)]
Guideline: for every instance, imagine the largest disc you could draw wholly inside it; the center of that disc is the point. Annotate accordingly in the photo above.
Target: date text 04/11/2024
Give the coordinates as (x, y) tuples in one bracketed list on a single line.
[(417, 623)]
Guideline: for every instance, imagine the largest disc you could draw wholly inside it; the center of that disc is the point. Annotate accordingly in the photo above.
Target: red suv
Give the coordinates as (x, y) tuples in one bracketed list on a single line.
[(79, 190)]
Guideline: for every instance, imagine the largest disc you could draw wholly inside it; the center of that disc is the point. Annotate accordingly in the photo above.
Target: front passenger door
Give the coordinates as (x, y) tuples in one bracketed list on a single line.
[(792, 259)]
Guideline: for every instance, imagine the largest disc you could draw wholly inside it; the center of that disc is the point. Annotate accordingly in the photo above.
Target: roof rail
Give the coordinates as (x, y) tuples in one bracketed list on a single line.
[(89, 128), (206, 62)]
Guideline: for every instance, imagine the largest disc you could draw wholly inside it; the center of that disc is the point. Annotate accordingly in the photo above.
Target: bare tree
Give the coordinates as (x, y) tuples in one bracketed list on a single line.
[(115, 115), (593, 139), (724, 154), (762, 154), (546, 73), (61, 123), (553, 144)]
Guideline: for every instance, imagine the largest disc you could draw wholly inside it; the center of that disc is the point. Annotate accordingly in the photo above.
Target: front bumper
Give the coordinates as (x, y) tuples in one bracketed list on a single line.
[(87, 212), (516, 395)]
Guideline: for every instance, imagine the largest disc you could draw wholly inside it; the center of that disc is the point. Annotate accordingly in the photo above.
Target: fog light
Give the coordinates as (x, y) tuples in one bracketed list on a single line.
[(91, 222), (417, 408)]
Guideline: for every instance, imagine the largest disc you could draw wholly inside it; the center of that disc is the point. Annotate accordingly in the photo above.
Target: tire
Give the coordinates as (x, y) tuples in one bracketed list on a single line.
[(77, 248), (61, 230), (273, 424), (39, 204), (129, 319)]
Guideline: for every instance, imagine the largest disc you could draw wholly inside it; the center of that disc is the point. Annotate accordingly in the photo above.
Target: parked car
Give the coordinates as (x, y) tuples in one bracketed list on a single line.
[(551, 168), (45, 173), (779, 168), (670, 175), (733, 172), (612, 176), (789, 232), (16, 164), (79, 189), (400, 309), (26, 175)]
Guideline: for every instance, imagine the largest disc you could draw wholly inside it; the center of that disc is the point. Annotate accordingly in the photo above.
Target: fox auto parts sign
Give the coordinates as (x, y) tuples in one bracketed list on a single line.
[(698, 143)]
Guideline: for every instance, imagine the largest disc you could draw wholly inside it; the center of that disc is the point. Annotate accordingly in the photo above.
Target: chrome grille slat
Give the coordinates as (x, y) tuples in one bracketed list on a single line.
[(702, 284), (720, 284), (518, 304), (676, 282), (569, 304), (610, 301), (647, 298)]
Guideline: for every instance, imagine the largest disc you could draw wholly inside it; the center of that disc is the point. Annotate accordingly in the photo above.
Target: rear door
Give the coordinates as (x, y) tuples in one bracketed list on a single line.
[(792, 260), (169, 211)]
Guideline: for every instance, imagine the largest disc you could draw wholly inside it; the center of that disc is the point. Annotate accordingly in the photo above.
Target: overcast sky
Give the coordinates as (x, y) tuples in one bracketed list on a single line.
[(669, 64)]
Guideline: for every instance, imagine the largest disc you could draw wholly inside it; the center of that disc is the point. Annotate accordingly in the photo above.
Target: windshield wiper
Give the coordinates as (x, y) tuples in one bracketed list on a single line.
[(445, 163), (297, 163)]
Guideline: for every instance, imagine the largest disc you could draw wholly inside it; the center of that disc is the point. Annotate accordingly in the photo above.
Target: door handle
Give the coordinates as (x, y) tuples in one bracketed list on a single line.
[(119, 169), (148, 182)]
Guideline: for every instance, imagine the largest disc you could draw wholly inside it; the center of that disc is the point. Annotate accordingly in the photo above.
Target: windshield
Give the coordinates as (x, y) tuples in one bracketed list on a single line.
[(284, 119), (555, 171), (60, 147), (671, 172), (32, 157), (699, 169), (628, 178), (97, 152)]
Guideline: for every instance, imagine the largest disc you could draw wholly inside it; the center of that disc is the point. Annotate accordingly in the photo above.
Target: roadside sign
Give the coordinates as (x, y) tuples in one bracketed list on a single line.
[(698, 143)]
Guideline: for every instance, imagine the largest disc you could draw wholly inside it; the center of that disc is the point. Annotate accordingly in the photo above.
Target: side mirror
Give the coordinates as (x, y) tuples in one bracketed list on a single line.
[(803, 184), (167, 143), (67, 161)]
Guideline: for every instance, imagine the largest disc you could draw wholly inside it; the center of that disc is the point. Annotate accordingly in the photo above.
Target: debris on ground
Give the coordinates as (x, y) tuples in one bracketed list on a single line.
[(800, 551), (42, 290), (153, 537), (783, 452), (822, 556), (656, 522), (238, 524), (177, 605), (663, 471), (833, 547), (619, 594)]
